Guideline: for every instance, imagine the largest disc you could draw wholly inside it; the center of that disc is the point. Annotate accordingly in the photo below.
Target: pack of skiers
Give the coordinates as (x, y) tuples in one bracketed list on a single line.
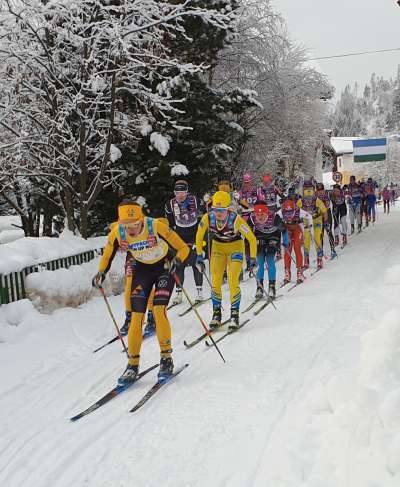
[(233, 230)]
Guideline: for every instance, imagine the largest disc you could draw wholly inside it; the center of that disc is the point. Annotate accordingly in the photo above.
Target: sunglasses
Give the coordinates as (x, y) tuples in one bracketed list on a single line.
[(219, 210), (180, 193)]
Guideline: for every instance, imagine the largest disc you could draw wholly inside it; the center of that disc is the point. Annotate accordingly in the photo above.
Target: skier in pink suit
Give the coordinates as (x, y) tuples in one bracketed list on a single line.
[(386, 196)]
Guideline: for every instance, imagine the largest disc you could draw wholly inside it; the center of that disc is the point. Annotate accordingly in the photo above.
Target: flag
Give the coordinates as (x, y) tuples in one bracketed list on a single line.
[(370, 150)]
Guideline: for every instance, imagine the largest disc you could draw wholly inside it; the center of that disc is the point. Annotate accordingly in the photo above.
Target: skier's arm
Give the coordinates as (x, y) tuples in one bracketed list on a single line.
[(169, 214), (174, 240), (201, 231), (244, 229), (304, 215), (323, 209), (109, 250)]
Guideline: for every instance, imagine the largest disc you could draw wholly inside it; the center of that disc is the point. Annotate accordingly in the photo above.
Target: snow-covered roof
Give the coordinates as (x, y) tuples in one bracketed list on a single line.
[(343, 145)]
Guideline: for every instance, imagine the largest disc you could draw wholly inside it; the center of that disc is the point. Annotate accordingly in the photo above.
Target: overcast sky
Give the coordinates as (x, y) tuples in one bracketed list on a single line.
[(330, 27)]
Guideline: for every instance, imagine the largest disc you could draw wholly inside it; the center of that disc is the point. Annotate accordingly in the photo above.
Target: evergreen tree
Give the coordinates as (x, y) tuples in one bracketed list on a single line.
[(207, 115)]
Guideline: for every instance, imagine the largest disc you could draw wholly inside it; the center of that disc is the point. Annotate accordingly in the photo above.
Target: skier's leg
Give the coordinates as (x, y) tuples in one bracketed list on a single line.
[(235, 262), (163, 289), (142, 284), (271, 264), (218, 266), (260, 262), (297, 245)]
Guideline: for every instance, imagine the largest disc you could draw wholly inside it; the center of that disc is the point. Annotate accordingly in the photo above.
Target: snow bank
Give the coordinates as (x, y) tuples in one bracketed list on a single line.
[(8, 231), (12, 316), (354, 415), (29, 251), (50, 290)]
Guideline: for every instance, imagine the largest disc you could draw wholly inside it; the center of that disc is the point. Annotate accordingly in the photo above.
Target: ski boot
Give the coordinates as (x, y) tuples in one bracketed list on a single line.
[(333, 254), (336, 240), (352, 229), (129, 376), (300, 277), (234, 322), (216, 319), (166, 368), (150, 327), (271, 290), (288, 277), (359, 228), (344, 239), (125, 327), (366, 222), (306, 263), (319, 262), (178, 297), (199, 297), (260, 290)]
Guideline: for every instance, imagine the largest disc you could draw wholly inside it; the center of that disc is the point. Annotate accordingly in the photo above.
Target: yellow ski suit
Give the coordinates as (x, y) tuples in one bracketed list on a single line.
[(150, 254), (227, 252), (319, 212)]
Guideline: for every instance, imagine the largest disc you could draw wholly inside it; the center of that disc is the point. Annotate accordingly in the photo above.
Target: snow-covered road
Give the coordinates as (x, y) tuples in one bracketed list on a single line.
[(309, 396)]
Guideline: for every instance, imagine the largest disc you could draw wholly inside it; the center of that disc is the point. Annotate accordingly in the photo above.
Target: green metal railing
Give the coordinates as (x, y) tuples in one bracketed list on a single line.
[(12, 286)]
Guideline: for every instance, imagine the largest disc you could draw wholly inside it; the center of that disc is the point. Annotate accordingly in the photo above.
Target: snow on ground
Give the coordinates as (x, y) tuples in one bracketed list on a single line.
[(309, 395)]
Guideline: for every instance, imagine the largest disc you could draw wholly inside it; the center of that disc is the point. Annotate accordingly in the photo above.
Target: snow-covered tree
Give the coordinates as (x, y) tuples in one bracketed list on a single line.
[(206, 130), (284, 133), (82, 79)]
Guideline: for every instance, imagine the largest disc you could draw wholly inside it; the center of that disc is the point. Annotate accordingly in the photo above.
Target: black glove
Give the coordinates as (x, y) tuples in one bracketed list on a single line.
[(200, 263), (174, 264), (252, 265), (98, 279)]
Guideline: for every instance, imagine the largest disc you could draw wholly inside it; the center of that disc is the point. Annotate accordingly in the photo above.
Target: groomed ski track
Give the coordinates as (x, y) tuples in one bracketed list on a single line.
[(268, 417)]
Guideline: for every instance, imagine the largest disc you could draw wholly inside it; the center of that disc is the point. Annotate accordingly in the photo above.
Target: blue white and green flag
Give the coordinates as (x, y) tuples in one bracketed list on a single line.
[(370, 150)]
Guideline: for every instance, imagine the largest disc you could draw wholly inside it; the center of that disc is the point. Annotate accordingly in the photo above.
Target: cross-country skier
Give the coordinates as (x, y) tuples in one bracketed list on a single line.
[(386, 196), (316, 208), (323, 195), (184, 211), (268, 227), (150, 323), (269, 193), (354, 193), (364, 203), (247, 195), (227, 229), (293, 217), (149, 242), (370, 193), (339, 212), (247, 198)]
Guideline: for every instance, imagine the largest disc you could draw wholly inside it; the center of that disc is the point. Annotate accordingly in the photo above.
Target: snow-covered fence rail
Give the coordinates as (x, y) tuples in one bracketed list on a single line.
[(12, 285)]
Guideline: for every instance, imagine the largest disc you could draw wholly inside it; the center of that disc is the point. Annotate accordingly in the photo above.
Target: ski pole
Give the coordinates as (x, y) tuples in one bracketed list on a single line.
[(269, 299), (207, 279), (209, 242), (178, 282), (113, 319), (290, 255)]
